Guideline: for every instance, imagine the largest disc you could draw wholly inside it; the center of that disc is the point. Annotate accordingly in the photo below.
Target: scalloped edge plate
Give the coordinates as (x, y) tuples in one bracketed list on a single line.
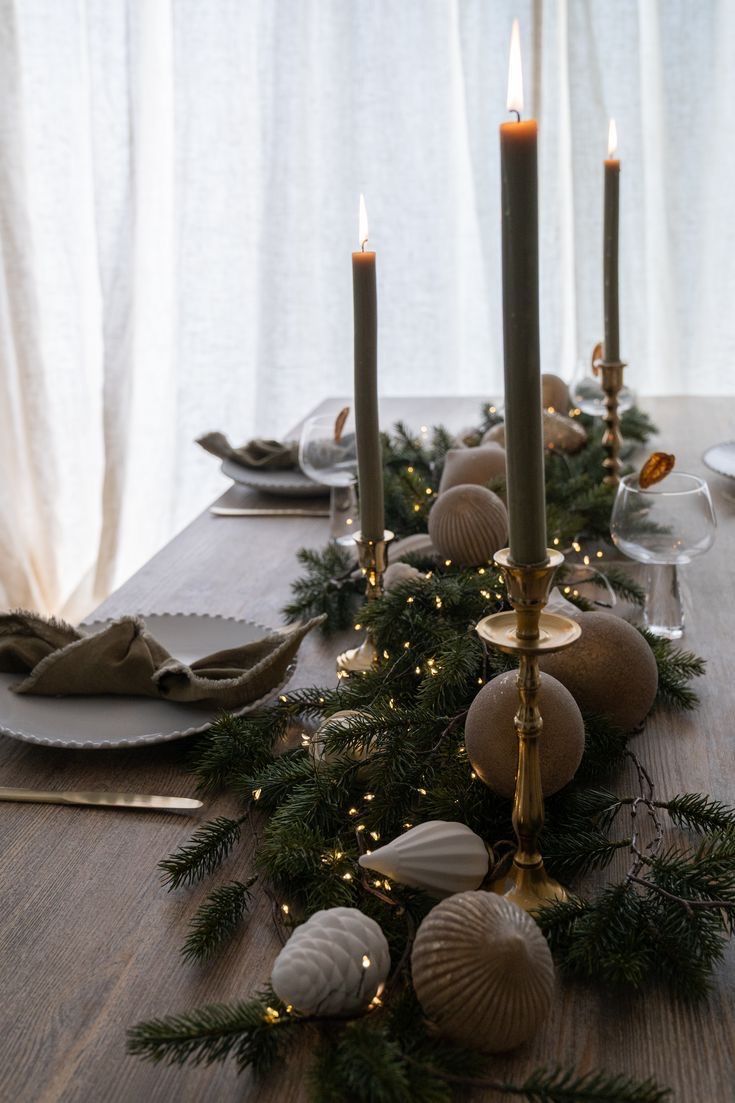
[(719, 455), (106, 723), (283, 484)]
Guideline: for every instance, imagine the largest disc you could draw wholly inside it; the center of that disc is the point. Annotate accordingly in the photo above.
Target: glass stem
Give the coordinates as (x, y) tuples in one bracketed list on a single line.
[(662, 613), (343, 514)]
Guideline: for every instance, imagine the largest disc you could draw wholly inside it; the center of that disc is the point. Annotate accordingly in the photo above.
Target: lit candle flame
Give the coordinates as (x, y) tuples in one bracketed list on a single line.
[(363, 223), (612, 139), (515, 74)]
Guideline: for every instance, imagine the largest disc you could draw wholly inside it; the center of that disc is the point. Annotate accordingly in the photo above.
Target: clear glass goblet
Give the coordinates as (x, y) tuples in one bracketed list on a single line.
[(663, 526), (328, 454), (588, 396)]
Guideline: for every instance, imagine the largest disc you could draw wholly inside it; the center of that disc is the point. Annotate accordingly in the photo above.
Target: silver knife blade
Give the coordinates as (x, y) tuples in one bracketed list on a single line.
[(147, 801), (288, 511)]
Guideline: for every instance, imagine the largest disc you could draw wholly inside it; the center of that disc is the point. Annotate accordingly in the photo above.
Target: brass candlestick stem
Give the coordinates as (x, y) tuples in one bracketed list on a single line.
[(373, 559), (611, 376), (528, 632)]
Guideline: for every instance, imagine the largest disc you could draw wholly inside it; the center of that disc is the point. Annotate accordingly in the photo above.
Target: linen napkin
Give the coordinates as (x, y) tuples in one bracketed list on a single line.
[(267, 455), (124, 659)]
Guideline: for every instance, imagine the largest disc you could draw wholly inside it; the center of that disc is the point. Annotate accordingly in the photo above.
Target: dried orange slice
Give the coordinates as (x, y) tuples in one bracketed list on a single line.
[(656, 468), (339, 423)]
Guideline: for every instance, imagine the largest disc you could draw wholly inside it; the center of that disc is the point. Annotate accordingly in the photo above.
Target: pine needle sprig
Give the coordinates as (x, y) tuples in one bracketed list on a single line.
[(697, 812), (217, 919), (676, 668), (205, 851)]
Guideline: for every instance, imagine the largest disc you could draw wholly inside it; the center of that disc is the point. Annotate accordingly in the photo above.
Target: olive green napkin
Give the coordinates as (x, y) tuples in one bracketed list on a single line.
[(123, 659), (268, 455)]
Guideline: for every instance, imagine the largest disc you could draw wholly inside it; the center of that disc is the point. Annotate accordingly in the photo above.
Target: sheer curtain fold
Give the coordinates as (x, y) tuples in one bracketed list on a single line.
[(178, 201)]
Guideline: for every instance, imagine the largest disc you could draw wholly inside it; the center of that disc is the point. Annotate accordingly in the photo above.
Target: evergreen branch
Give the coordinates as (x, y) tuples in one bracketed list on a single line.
[(205, 851), (697, 812), (566, 1086), (254, 1032), (675, 669), (217, 919)]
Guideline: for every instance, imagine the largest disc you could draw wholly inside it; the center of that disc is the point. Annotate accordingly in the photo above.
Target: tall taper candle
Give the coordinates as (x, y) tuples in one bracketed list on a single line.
[(524, 439), (369, 457), (612, 211)]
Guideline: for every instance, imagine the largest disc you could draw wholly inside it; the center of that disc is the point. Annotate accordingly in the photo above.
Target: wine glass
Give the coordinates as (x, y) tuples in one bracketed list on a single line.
[(588, 396), (663, 526), (328, 454)]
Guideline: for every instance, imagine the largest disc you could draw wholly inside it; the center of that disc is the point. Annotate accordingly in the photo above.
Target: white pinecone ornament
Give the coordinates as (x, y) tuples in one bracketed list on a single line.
[(334, 964)]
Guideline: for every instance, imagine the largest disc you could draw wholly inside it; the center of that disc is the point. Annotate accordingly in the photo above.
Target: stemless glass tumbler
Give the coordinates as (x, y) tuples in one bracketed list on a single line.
[(663, 526), (328, 454)]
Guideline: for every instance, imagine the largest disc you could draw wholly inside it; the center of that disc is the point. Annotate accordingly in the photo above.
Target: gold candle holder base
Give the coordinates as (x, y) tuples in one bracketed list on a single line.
[(373, 559), (611, 380), (528, 632)]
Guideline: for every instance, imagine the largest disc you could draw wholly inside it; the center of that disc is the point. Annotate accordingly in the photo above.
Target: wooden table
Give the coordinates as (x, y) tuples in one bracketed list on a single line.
[(89, 940)]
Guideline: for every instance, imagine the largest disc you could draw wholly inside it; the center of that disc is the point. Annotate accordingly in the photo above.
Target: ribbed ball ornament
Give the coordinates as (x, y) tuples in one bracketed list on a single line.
[(610, 670), (396, 573), (472, 465), (334, 964), (439, 856), (468, 524), (482, 971), (317, 744), (492, 743)]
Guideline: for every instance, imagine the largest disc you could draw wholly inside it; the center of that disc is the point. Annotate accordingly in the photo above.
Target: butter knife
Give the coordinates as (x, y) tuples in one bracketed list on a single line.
[(288, 511), (104, 800)]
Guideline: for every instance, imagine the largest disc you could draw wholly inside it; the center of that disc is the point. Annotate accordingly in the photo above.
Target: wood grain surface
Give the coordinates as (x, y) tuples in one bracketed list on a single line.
[(89, 940)]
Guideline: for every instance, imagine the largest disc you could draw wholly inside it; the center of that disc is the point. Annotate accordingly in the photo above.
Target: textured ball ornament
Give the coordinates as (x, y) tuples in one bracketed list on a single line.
[(439, 857), (468, 524), (472, 465), (334, 964), (492, 743), (482, 971), (317, 750), (560, 433), (610, 670), (555, 393), (399, 572)]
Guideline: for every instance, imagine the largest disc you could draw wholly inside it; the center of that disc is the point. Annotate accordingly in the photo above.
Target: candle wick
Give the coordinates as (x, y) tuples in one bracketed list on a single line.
[(516, 112), (362, 246)]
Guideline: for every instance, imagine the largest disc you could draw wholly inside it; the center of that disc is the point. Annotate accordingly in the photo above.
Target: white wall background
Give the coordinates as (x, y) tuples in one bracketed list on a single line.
[(178, 204)]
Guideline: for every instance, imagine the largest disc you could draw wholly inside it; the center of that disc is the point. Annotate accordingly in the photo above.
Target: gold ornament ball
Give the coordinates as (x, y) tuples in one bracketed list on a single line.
[(555, 393), (468, 524), (472, 465), (482, 971), (492, 743), (610, 670)]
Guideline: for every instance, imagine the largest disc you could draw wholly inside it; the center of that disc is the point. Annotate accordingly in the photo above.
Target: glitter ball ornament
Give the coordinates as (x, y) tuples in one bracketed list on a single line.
[(482, 971), (610, 670), (439, 856), (478, 466), (334, 964), (317, 744), (468, 524), (555, 393), (492, 743)]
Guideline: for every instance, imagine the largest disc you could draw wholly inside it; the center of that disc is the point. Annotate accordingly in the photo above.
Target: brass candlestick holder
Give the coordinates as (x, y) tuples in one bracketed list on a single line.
[(611, 377), (528, 632), (373, 559)]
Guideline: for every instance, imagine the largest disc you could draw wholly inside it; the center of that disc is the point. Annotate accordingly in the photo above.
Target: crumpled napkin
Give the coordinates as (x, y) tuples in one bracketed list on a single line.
[(267, 455), (123, 659)]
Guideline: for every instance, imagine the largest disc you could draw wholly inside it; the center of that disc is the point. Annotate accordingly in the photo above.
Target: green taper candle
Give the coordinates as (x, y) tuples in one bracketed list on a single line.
[(524, 439), (367, 425), (610, 264)]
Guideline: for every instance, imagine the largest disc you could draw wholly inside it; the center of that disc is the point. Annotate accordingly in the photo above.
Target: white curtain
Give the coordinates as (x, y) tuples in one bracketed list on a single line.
[(178, 202)]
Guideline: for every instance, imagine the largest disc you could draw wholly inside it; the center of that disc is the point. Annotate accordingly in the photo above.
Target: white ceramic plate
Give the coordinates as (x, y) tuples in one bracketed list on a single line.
[(94, 723), (284, 484), (721, 458)]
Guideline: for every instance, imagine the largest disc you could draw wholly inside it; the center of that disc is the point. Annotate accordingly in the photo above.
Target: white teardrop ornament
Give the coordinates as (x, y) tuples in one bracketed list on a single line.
[(438, 856)]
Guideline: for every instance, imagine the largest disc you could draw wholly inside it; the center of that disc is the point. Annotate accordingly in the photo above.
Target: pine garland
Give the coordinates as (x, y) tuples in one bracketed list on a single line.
[(665, 921)]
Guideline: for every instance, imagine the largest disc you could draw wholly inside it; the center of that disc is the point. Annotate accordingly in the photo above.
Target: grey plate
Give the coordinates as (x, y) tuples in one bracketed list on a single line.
[(95, 723), (283, 484), (721, 458)]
